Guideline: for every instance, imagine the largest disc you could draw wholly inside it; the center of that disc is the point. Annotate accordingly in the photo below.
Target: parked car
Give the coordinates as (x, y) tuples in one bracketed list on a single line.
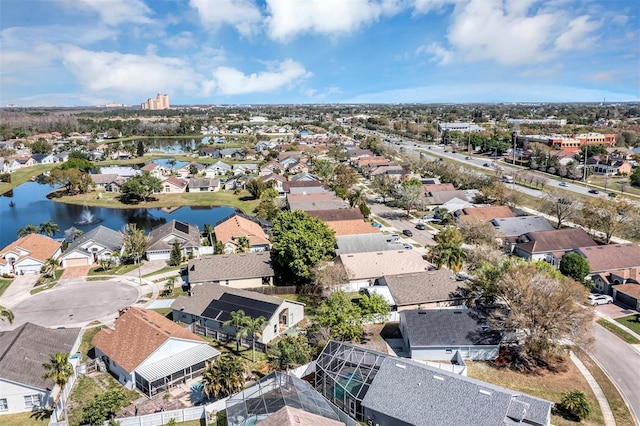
[(599, 299), (376, 225), (408, 247), (407, 232), (467, 158), (487, 165), (563, 184), (420, 226), (613, 195), (594, 191)]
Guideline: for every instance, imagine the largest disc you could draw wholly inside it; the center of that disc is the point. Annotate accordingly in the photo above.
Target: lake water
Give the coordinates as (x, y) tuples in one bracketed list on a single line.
[(32, 206)]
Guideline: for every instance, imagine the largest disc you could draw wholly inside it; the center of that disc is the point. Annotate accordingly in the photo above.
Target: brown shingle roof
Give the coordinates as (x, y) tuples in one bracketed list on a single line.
[(556, 240), (290, 416), (331, 215), (361, 266), (352, 227), (138, 333), (237, 226), (230, 267), (611, 257), (423, 287), (437, 187), (37, 246), (485, 214), (632, 290)]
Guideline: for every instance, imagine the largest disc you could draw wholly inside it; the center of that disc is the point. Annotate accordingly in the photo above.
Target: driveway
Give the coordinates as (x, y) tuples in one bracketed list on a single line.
[(19, 290), (73, 272), (612, 310), (75, 304), (148, 267)]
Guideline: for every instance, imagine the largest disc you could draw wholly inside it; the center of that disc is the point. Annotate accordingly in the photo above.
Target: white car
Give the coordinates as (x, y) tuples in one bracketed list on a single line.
[(599, 299)]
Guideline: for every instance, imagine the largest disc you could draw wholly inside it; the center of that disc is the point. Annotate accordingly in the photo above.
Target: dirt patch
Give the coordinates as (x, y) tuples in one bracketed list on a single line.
[(372, 338)]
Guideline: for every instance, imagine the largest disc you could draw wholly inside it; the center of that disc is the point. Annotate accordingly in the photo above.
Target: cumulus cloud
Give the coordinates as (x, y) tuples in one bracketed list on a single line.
[(511, 33), (114, 12), (288, 18), (244, 15), (230, 81)]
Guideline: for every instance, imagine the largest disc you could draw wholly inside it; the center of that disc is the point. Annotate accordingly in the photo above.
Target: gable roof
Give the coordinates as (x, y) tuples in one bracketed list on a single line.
[(216, 302), (361, 243), (352, 227), (437, 187), (175, 181), (24, 350), (422, 287), (330, 215), (237, 226), (514, 226), (376, 264), (39, 247), (102, 235), (632, 290), (443, 197), (316, 201), (611, 257), (485, 213), (290, 416), (180, 230), (230, 267), (137, 334), (448, 327), (203, 182), (401, 387), (105, 178), (554, 240)]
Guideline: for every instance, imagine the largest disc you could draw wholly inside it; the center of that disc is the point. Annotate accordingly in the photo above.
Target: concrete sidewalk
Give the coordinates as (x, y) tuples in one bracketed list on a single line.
[(609, 420)]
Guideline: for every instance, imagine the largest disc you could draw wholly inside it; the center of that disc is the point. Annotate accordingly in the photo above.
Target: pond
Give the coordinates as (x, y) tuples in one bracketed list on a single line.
[(28, 204), (181, 146)]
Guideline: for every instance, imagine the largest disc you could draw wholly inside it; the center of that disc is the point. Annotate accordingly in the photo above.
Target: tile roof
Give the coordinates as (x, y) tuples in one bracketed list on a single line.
[(24, 350), (352, 227), (486, 213), (514, 226), (611, 257), (554, 240), (337, 214), (36, 246), (102, 235), (237, 226), (376, 264), (422, 287), (160, 238), (448, 327), (137, 334), (230, 267)]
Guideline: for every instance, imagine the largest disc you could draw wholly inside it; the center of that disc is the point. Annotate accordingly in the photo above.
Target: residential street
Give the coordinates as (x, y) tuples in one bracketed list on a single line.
[(389, 215), (622, 363)]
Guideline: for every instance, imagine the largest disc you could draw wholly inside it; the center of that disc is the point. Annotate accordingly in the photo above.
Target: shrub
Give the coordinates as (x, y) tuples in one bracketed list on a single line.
[(574, 404)]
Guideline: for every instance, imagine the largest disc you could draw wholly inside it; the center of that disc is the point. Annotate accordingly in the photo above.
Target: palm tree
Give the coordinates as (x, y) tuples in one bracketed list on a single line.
[(254, 328), (223, 376), (29, 229), (356, 197), (59, 370), (6, 313), (243, 245), (239, 322), (50, 267), (169, 286), (48, 228)]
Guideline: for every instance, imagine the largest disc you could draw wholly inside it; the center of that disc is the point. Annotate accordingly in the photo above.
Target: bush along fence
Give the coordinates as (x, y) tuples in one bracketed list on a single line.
[(224, 337)]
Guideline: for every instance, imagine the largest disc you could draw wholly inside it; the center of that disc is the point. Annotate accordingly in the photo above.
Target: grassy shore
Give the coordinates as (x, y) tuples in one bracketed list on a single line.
[(23, 175), (241, 201)]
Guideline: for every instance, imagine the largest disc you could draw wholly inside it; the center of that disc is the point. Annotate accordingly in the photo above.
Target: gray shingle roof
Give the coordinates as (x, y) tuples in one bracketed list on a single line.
[(157, 236), (361, 243), (230, 267), (422, 287), (100, 234), (24, 350), (447, 327), (423, 395), (514, 226)]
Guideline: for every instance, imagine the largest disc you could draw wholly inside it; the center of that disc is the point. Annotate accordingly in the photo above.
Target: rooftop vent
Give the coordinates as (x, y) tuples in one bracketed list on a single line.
[(401, 366), (485, 392)]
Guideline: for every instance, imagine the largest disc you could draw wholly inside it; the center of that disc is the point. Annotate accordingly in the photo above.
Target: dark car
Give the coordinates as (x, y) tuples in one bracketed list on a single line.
[(486, 165), (420, 226), (407, 232), (613, 195), (594, 191)]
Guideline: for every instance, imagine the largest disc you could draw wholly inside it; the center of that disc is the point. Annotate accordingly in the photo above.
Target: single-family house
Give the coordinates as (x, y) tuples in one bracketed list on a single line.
[(11, 165), (44, 158), (154, 169), (210, 305), (550, 246), (437, 334), (331, 215), (277, 182), (235, 153), (242, 270), (362, 243), (245, 168), (174, 184), (207, 151), (27, 255), (303, 176), (108, 182), (163, 237), (483, 214), (271, 167), (612, 264), (392, 170), (217, 169), (439, 198), (305, 187), (230, 230), (203, 184), (380, 389), (315, 201), (122, 171), (627, 294), (93, 246), (514, 226), (352, 227), (62, 156), (24, 160), (23, 352), (151, 353)]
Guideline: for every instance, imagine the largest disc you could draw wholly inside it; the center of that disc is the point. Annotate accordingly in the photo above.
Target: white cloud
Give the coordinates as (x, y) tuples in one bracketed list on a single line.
[(128, 74), (292, 17), (230, 81), (114, 12), (427, 6), (511, 32), (244, 15), (180, 40)]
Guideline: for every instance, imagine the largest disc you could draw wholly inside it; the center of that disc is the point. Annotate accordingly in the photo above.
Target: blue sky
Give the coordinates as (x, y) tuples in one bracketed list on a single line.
[(89, 52)]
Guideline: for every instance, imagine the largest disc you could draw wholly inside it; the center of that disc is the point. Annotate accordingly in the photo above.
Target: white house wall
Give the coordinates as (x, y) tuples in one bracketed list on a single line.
[(28, 266), (122, 375), (445, 353), (14, 393), (76, 255)]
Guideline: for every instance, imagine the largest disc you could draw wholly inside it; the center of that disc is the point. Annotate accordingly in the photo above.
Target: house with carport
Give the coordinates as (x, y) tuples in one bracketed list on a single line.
[(146, 351), (210, 305), (241, 270), (29, 254), (93, 246)]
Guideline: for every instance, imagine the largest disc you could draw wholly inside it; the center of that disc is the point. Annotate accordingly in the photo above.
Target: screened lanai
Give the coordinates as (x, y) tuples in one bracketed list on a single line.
[(270, 394)]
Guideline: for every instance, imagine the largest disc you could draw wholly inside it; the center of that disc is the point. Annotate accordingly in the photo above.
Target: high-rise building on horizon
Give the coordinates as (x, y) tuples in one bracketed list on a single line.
[(160, 102)]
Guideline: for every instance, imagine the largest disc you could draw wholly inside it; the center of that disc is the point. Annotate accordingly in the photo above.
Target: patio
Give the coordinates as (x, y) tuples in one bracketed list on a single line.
[(181, 396)]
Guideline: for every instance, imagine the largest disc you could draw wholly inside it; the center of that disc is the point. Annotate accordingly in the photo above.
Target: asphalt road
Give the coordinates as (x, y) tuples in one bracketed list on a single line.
[(74, 304), (391, 216), (622, 363)]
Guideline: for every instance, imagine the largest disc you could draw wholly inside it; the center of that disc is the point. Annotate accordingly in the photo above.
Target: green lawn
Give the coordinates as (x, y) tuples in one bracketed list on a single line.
[(23, 175), (4, 284), (22, 419), (86, 347), (618, 332), (631, 321), (164, 270), (87, 387), (116, 270), (42, 287), (311, 303)]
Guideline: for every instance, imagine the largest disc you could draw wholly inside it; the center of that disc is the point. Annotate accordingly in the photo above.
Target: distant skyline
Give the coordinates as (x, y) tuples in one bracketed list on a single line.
[(91, 52)]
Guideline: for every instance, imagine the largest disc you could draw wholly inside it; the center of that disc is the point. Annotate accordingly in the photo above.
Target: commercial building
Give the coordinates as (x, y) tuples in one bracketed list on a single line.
[(160, 102)]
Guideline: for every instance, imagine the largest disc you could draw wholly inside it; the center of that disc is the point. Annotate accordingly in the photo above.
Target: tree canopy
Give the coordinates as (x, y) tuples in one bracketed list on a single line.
[(141, 187), (290, 352), (574, 266), (300, 242)]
